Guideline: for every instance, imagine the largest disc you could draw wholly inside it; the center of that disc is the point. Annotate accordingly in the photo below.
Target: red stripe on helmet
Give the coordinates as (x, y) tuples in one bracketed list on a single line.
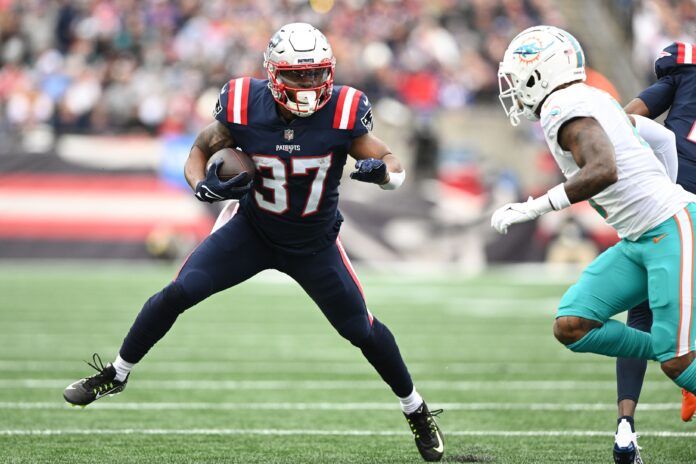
[(339, 107)]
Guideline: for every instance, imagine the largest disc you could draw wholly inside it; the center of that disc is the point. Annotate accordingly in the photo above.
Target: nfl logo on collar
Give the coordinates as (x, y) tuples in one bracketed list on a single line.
[(289, 134)]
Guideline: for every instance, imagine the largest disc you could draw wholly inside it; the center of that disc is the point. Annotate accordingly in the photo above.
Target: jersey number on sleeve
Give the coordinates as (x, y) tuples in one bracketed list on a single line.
[(277, 181)]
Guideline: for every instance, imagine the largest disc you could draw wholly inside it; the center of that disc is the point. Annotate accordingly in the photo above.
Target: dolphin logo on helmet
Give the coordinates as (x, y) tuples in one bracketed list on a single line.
[(537, 62)]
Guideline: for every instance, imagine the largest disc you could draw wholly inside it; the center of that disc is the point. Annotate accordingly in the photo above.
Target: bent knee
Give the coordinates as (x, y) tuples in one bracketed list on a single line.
[(674, 367), (356, 330), (570, 329)]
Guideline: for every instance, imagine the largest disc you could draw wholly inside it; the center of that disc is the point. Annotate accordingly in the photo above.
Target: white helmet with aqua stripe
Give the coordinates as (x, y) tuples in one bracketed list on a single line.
[(537, 61)]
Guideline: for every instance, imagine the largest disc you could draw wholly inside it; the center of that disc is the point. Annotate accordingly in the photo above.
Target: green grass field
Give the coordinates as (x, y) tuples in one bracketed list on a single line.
[(256, 375)]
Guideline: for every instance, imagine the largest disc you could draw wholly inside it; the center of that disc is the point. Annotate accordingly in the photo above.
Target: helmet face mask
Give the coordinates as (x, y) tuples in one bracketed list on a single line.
[(537, 62), (507, 94), (300, 66)]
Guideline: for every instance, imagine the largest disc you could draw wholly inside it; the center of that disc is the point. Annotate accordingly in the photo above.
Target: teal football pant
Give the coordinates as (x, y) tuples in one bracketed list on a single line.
[(659, 266)]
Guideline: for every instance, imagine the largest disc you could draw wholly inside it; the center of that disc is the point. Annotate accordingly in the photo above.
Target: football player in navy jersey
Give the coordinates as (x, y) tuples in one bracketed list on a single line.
[(674, 90), (299, 129)]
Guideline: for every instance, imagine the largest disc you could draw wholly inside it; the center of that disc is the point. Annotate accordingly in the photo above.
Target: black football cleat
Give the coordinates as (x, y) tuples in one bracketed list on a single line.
[(89, 389), (426, 433)]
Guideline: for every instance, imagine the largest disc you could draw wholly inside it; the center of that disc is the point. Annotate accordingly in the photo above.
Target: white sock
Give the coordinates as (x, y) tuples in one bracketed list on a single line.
[(122, 367), (411, 403)]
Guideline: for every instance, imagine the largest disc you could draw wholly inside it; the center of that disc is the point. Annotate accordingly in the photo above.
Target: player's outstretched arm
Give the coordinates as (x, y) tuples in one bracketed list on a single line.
[(376, 163), (593, 152), (211, 139)]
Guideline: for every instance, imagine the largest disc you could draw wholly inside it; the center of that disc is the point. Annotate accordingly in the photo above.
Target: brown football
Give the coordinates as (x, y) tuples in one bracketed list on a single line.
[(233, 163)]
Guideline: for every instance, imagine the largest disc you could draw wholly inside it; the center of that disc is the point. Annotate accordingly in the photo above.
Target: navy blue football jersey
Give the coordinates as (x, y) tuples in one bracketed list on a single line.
[(676, 90), (294, 202)]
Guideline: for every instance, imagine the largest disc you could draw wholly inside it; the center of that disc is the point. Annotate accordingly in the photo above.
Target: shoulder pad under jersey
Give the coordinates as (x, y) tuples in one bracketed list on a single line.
[(675, 54)]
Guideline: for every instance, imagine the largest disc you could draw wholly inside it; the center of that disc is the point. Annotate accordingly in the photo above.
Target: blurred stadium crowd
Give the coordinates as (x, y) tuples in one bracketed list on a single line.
[(156, 65), (656, 23)]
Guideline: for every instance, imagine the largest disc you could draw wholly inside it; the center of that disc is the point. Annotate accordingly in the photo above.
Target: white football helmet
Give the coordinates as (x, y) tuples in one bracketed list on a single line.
[(300, 66), (536, 62)]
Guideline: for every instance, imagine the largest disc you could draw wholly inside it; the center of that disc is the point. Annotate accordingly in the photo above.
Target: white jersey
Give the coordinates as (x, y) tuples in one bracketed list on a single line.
[(643, 197)]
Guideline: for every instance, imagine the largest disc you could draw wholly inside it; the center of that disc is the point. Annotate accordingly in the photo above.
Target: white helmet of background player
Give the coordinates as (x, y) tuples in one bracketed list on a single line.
[(536, 62), (300, 66)]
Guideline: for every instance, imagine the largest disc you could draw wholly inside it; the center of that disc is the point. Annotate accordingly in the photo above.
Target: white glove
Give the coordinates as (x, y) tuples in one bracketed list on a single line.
[(514, 213)]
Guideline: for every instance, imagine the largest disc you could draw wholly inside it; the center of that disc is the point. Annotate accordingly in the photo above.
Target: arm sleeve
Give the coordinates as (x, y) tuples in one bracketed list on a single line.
[(659, 96), (363, 118), (662, 141)]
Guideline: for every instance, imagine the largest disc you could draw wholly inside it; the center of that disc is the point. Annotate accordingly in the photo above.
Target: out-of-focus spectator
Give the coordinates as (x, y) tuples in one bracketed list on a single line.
[(96, 66), (657, 23)]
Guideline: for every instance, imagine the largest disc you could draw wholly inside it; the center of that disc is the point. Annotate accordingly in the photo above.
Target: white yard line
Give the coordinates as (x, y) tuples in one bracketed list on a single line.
[(169, 384), (308, 367), (285, 432), (324, 406)]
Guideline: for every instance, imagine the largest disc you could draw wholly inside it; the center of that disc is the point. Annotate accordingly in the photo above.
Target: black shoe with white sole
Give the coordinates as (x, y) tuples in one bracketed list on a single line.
[(426, 433), (89, 389)]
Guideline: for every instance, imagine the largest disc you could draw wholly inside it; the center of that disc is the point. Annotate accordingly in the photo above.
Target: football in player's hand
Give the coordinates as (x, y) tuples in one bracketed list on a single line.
[(234, 162)]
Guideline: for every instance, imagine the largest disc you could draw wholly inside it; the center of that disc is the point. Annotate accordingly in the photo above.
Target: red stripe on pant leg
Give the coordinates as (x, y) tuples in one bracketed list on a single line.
[(339, 107), (183, 264), (230, 100), (187, 258), (354, 108), (680, 52), (349, 267), (245, 99)]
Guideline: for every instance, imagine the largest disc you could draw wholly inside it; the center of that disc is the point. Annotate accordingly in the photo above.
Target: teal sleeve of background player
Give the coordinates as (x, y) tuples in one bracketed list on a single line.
[(687, 379), (617, 340)]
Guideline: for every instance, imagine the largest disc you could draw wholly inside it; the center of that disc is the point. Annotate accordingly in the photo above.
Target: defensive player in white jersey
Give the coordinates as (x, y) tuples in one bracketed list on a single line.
[(606, 161)]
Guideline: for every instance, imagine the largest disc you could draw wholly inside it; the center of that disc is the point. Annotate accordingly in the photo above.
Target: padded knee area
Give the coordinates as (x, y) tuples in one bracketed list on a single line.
[(193, 286), (173, 298), (356, 330)]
